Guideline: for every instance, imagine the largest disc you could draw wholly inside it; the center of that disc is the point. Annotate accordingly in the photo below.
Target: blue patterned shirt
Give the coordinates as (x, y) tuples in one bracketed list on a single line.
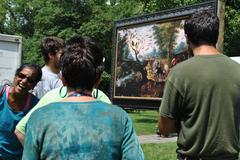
[(81, 130)]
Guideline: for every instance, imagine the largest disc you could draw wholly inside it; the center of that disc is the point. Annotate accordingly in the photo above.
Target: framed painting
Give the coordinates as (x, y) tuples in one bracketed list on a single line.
[(145, 48)]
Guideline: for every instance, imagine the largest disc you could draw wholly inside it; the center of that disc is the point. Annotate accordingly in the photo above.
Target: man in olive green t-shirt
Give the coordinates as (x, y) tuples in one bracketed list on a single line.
[(202, 96), (54, 95)]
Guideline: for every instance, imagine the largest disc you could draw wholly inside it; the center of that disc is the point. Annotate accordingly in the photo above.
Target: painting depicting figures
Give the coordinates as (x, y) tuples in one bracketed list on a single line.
[(144, 56)]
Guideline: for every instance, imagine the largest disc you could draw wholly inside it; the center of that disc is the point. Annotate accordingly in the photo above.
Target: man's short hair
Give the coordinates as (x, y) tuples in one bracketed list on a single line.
[(202, 28), (82, 63), (51, 45)]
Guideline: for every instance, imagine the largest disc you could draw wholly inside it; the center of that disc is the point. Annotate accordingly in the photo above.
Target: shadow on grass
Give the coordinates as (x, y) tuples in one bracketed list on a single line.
[(145, 120), (147, 115), (137, 111)]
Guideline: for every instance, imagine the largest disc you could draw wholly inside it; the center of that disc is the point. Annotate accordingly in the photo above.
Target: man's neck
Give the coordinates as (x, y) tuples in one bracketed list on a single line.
[(52, 68), (205, 50)]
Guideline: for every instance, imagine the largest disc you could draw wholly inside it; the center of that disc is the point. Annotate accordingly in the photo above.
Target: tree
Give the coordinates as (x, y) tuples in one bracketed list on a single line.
[(165, 35), (3, 15), (159, 5), (95, 18), (220, 13), (232, 32), (18, 18)]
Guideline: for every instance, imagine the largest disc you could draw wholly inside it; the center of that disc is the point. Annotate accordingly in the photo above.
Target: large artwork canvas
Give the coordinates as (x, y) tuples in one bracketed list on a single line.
[(146, 55), (145, 50)]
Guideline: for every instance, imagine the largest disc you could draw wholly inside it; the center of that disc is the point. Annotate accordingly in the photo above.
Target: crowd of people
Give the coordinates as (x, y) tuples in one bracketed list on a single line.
[(57, 112)]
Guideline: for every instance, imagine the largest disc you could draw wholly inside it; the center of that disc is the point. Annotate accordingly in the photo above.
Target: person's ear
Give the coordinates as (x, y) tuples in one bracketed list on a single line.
[(190, 46), (50, 56)]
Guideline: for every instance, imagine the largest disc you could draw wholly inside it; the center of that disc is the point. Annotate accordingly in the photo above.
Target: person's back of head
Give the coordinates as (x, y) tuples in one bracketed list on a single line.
[(51, 45), (82, 63), (202, 28)]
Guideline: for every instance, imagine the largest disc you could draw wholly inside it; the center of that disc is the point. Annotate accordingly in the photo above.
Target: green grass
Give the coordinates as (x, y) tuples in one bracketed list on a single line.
[(162, 151), (144, 122)]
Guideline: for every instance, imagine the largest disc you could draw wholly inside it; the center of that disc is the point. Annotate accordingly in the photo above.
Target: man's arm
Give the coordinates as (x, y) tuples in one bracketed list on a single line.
[(168, 121), (166, 125), (20, 136)]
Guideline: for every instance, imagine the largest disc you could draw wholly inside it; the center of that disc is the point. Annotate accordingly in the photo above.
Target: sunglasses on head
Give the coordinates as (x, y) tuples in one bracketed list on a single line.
[(23, 76)]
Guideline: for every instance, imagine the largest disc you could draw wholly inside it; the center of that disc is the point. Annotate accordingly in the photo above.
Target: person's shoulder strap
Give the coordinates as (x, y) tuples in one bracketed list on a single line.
[(3, 88), (28, 102)]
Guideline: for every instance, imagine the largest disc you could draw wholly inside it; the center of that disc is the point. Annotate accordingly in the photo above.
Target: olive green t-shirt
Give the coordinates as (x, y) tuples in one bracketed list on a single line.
[(203, 95)]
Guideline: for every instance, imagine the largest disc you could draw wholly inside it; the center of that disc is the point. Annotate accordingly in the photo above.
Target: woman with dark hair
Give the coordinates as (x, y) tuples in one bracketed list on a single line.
[(81, 127), (15, 102)]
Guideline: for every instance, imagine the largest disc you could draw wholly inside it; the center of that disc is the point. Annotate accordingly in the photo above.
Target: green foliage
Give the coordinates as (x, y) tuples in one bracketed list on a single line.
[(100, 24), (35, 19), (104, 85), (19, 18), (232, 31), (159, 5), (100, 27), (60, 18), (32, 54), (3, 12)]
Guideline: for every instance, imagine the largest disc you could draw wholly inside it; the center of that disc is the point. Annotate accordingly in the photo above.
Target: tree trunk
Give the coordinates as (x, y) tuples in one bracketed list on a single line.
[(220, 13)]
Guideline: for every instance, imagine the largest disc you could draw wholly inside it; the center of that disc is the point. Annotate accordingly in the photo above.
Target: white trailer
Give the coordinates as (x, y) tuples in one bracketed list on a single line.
[(10, 56)]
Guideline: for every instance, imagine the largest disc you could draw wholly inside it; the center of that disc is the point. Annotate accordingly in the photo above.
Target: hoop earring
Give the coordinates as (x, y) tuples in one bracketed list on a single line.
[(96, 94), (60, 93)]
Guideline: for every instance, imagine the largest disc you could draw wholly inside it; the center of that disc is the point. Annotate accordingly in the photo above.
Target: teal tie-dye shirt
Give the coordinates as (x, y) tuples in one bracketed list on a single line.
[(81, 130)]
